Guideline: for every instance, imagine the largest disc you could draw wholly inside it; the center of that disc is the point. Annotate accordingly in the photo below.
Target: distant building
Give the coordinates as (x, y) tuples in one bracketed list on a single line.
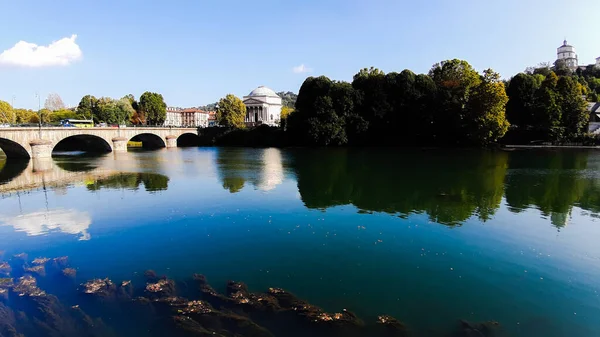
[(212, 118), (188, 117), (598, 62), (567, 53), (263, 106)]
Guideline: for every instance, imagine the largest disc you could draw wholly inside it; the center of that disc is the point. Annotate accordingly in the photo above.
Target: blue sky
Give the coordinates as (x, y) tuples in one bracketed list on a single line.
[(194, 52)]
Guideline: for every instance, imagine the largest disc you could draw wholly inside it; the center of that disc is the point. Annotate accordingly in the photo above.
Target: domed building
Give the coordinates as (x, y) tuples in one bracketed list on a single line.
[(263, 106), (567, 53)]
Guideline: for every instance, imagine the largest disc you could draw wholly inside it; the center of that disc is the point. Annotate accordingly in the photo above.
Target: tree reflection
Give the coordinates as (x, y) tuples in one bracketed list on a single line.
[(152, 182), (449, 187), (552, 182)]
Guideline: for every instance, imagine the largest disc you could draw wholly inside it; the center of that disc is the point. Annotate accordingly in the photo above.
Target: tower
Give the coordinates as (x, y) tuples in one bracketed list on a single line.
[(567, 53)]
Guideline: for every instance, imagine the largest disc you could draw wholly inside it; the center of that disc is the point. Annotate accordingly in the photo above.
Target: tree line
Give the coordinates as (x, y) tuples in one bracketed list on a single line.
[(452, 105), (149, 109)]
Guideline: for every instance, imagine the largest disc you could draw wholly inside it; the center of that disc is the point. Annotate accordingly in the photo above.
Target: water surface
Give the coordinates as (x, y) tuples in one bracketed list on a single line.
[(427, 236)]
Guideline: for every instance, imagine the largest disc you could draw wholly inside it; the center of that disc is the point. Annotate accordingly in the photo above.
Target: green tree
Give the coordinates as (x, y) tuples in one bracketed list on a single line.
[(24, 116), (325, 113), (487, 107), (153, 107), (575, 117), (521, 93), (455, 80), (548, 112), (114, 111), (561, 68), (7, 114), (87, 107), (62, 114), (231, 112)]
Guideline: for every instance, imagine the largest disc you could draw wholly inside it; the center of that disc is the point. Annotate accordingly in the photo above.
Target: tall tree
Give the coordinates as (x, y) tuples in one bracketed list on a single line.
[(87, 107), (231, 112), (154, 108), (521, 93), (486, 110), (575, 117), (114, 111), (7, 114), (455, 80), (54, 102), (548, 112)]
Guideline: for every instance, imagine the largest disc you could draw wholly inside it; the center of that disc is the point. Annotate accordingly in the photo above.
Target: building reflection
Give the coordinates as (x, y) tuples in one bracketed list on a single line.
[(263, 168), (67, 221)]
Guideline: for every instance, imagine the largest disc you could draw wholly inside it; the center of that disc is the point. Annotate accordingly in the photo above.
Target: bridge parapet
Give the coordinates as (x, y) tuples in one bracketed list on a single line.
[(39, 142)]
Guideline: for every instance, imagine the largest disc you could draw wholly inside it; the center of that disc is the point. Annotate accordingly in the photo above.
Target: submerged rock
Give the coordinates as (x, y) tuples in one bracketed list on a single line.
[(61, 262), (485, 329), (103, 288), (40, 261), (151, 276), (5, 268), (27, 286), (162, 288), (69, 272), (389, 326), (38, 269), (21, 256)]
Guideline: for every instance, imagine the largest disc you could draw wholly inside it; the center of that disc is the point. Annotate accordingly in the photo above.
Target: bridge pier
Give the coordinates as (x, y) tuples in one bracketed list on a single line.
[(120, 144), (171, 141), (41, 148)]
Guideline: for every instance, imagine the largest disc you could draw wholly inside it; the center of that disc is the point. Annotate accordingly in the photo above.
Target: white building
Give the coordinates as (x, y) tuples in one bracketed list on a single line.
[(567, 53), (190, 117), (263, 106), (597, 61)]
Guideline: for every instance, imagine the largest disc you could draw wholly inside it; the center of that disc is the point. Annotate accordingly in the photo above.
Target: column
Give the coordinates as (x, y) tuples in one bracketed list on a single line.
[(41, 148), (171, 141), (120, 144)]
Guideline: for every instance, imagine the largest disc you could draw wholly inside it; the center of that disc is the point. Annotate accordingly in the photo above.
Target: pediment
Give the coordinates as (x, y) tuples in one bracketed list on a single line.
[(253, 101)]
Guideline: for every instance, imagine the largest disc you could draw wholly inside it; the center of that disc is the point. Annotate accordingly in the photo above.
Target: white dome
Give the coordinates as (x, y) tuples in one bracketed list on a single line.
[(263, 91)]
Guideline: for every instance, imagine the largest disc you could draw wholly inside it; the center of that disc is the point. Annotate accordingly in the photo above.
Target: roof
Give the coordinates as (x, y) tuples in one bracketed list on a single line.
[(263, 91)]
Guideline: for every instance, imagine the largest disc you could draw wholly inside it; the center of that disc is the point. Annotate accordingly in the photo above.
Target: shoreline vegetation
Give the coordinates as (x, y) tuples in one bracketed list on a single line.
[(452, 105), (174, 308)]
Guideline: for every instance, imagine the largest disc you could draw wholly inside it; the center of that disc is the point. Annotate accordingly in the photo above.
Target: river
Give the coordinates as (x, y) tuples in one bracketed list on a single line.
[(429, 237)]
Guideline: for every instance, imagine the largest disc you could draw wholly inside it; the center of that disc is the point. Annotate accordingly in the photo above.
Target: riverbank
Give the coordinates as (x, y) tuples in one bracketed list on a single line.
[(551, 147)]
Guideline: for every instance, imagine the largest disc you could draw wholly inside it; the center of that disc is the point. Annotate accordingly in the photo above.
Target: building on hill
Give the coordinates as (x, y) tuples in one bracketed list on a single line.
[(263, 106), (598, 62), (188, 117), (567, 53)]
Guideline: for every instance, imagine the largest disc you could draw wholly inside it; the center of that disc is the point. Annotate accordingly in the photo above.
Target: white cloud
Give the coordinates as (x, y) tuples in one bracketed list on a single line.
[(301, 69), (58, 53), (40, 223)]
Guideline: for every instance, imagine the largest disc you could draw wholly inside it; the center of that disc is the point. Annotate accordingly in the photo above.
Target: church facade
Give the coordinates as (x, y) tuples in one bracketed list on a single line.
[(263, 106)]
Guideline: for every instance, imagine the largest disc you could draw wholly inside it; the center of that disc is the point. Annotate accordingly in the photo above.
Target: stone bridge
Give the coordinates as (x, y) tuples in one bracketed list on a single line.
[(39, 142)]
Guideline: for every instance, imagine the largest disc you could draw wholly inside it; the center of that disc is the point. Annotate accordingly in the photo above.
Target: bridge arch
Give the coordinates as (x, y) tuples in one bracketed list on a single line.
[(83, 142), (188, 139), (149, 140), (13, 149)]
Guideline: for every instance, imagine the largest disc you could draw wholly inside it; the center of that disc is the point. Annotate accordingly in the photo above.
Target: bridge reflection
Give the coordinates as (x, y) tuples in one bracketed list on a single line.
[(50, 174)]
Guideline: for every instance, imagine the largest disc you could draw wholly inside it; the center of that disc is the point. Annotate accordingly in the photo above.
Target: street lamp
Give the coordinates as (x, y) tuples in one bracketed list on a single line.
[(39, 110)]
